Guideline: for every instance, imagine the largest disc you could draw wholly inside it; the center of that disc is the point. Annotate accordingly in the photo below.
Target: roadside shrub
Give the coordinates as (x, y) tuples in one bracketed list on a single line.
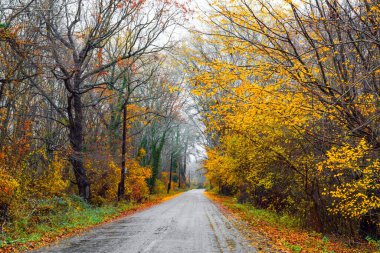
[(160, 187), (136, 187), (104, 177)]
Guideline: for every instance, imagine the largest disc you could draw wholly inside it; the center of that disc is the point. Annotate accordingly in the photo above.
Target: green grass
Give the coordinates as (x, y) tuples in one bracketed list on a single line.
[(271, 217), (293, 248), (58, 216), (374, 242)]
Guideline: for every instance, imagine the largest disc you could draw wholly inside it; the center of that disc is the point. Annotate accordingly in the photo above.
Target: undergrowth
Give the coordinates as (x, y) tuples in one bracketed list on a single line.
[(273, 218), (55, 217), (286, 233)]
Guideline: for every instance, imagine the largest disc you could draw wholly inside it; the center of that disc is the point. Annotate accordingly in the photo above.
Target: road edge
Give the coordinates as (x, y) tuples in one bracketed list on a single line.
[(47, 242), (257, 240)]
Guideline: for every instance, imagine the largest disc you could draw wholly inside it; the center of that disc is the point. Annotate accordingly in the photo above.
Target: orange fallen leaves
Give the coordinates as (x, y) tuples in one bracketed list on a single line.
[(281, 238)]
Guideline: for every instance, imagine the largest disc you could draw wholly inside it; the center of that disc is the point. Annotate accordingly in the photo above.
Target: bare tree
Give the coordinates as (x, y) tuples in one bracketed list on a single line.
[(76, 33)]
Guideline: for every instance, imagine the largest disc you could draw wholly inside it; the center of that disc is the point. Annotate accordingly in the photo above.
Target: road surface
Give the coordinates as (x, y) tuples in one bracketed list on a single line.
[(187, 223)]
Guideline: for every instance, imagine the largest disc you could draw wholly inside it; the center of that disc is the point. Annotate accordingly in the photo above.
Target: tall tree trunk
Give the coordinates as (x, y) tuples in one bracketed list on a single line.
[(156, 156), (121, 188), (170, 172), (317, 206), (75, 113), (179, 172), (184, 164), (3, 215), (368, 224), (114, 131)]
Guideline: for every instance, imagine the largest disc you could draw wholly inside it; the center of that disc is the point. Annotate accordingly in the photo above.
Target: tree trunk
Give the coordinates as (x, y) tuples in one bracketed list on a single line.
[(3, 215), (317, 207), (179, 174), (368, 224), (170, 172), (121, 188), (75, 112), (156, 156), (114, 132), (184, 165)]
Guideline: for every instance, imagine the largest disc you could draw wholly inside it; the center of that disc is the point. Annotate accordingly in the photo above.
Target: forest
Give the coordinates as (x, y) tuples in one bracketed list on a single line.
[(89, 105), (103, 102)]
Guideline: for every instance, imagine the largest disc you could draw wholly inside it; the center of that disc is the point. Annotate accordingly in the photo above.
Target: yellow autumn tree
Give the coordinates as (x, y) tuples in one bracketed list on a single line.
[(353, 184), (282, 89)]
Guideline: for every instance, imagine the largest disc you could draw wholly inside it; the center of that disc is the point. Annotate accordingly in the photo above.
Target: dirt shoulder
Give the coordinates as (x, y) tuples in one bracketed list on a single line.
[(269, 233)]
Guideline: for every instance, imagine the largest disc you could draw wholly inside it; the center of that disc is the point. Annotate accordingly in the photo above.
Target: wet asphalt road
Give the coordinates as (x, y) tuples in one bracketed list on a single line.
[(187, 223)]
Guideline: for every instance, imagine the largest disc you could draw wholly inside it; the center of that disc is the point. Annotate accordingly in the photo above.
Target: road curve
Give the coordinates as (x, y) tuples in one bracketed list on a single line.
[(187, 223)]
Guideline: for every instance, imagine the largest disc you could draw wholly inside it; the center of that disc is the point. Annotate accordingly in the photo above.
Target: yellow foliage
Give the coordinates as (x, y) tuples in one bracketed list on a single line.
[(8, 186), (105, 177), (51, 181), (273, 105), (355, 176), (136, 187), (37, 176)]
